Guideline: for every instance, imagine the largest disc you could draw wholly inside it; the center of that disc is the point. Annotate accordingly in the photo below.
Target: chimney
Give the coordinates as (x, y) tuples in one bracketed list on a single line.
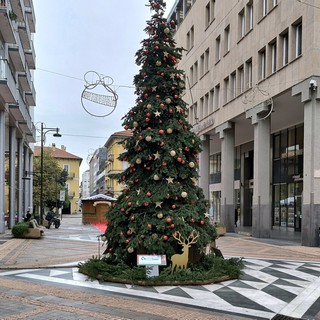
[(63, 148), (53, 147)]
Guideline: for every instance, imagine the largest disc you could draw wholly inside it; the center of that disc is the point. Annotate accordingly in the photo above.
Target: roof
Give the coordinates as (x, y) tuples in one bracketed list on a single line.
[(120, 134), (56, 153)]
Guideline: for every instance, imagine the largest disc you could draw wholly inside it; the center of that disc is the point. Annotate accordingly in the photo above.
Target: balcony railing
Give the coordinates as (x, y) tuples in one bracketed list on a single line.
[(6, 23), (8, 89)]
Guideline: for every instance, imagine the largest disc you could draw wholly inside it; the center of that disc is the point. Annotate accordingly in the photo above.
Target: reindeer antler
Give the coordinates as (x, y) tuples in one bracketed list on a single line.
[(180, 241), (193, 236)]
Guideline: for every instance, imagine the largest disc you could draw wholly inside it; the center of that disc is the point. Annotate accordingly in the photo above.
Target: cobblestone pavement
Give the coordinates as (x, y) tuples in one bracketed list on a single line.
[(39, 280)]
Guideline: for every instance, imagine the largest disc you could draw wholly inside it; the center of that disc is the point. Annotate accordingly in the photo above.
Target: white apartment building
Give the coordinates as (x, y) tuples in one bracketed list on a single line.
[(17, 101), (253, 76)]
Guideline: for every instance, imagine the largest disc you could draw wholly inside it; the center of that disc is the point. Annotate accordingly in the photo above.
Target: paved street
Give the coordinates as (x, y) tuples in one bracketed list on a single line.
[(39, 279)]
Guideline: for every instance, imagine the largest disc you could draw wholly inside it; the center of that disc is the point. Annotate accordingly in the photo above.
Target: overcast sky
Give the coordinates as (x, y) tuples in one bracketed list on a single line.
[(72, 38)]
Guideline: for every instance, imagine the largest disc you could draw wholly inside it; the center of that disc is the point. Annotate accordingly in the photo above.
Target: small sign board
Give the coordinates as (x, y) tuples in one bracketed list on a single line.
[(151, 260)]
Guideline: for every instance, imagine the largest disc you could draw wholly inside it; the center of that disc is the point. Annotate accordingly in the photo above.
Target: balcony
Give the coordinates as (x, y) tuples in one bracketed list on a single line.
[(18, 9), (24, 33), (7, 83), (30, 57), (30, 16), (25, 82), (71, 194), (6, 24), (16, 56), (110, 157), (30, 96)]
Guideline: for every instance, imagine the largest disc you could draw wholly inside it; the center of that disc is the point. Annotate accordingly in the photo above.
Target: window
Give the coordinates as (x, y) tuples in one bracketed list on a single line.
[(201, 111), (241, 79), (233, 85), (285, 48), (262, 64), (190, 38), (191, 76), (250, 15), (218, 49), (206, 60), (202, 65), (211, 101), (273, 56), (264, 8), (248, 74), (206, 105), (210, 7), (242, 24), (226, 92), (66, 167), (195, 72), (227, 39), (217, 97), (298, 40)]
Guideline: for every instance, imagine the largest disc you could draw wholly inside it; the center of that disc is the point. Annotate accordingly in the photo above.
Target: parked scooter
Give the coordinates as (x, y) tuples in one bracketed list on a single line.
[(52, 220)]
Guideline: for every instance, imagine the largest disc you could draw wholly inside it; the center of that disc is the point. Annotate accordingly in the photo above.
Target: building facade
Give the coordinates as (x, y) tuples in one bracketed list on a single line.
[(71, 164), (17, 101), (85, 185), (97, 172), (113, 164), (252, 76)]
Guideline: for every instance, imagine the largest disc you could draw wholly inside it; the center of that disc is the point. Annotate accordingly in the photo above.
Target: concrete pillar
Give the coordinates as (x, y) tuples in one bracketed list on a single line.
[(2, 169), (226, 134), (310, 223), (12, 175), (20, 181), (204, 165), (27, 183), (261, 202)]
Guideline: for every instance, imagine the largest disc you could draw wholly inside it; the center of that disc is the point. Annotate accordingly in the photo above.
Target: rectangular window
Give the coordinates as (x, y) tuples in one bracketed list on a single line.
[(201, 111), (211, 101), (206, 60), (264, 8), (206, 105), (209, 17), (226, 93), (202, 65), (242, 24), (190, 38), (298, 40), (285, 48), (217, 97), (66, 167), (262, 64), (248, 74), (227, 39), (218, 49), (250, 15), (191, 76), (207, 21), (195, 72), (241, 80), (273, 54), (233, 85)]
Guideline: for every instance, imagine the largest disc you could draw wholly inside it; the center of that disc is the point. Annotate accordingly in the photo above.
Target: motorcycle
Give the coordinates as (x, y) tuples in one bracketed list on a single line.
[(52, 220)]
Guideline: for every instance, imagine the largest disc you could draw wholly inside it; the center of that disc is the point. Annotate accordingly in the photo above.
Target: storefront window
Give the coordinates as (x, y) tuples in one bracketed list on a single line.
[(215, 168)]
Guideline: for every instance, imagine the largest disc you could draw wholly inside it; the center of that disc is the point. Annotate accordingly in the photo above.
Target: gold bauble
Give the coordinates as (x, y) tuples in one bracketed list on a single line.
[(156, 177), (148, 138), (172, 153), (158, 63), (135, 124), (191, 164), (169, 130), (160, 215), (184, 194), (130, 249), (138, 161), (168, 101)]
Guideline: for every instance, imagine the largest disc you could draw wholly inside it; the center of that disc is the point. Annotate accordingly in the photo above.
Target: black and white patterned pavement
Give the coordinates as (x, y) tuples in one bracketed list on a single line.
[(265, 289)]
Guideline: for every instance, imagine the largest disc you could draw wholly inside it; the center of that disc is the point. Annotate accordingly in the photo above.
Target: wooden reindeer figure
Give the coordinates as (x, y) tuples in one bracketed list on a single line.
[(181, 260)]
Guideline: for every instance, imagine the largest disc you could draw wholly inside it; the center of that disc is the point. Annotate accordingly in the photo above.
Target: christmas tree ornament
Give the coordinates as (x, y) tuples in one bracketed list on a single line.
[(148, 138), (158, 63), (138, 161), (130, 249), (156, 177), (170, 180), (169, 130), (160, 215), (184, 194), (172, 153), (166, 30), (168, 100)]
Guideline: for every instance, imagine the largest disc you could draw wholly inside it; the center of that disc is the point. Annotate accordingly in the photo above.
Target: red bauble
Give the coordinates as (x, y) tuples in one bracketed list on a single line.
[(165, 237), (179, 159), (176, 96), (147, 119), (146, 204), (148, 194), (172, 225), (122, 210), (148, 114), (129, 204), (173, 206), (201, 222), (161, 131), (168, 220), (140, 138), (129, 232), (161, 105), (132, 218), (170, 111), (164, 164), (192, 220), (127, 241), (127, 198), (150, 226)]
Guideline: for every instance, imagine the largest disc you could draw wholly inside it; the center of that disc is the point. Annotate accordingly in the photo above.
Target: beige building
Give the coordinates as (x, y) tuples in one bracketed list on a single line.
[(253, 75), (70, 163), (113, 165)]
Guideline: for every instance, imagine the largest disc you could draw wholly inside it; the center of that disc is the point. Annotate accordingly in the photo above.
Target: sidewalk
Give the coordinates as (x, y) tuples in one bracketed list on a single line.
[(280, 277)]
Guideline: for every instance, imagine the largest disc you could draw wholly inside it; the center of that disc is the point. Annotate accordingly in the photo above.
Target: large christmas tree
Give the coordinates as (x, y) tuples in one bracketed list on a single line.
[(161, 200)]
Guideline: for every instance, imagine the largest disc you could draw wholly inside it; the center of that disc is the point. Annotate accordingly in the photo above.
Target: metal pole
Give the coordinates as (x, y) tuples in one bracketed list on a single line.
[(41, 178)]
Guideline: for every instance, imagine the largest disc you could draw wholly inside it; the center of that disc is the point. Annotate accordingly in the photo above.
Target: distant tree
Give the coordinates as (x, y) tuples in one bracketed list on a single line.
[(54, 180)]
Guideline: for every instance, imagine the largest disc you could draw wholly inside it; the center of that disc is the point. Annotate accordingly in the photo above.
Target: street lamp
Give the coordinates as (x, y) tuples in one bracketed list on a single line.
[(44, 131)]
